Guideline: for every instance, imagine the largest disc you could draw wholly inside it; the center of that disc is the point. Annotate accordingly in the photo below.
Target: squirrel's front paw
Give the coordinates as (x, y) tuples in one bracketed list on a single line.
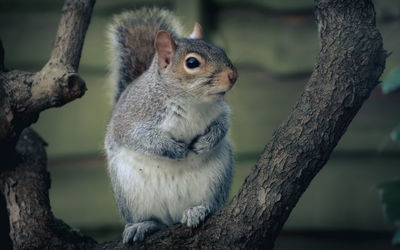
[(201, 144), (177, 150), (193, 216), (137, 231)]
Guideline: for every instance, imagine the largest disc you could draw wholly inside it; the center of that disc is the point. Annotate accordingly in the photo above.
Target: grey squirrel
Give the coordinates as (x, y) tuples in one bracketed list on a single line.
[(169, 157)]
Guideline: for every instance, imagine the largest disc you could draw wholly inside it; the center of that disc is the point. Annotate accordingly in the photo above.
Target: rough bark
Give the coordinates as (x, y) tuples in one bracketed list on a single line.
[(26, 189), (24, 181), (348, 67), (23, 95)]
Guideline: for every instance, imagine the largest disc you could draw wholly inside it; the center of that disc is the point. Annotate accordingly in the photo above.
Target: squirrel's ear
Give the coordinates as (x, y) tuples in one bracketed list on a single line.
[(197, 32), (165, 48)]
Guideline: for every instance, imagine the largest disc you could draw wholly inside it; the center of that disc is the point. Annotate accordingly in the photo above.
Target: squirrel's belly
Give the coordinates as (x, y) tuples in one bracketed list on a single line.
[(163, 188)]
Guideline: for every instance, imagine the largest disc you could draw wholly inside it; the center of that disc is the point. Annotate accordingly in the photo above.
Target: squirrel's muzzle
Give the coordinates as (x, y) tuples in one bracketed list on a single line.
[(224, 81), (232, 76)]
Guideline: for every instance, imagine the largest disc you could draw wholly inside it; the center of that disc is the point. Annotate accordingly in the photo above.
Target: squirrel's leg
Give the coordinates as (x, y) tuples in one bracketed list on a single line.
[(212, 136), (137, 231), (193, 216)]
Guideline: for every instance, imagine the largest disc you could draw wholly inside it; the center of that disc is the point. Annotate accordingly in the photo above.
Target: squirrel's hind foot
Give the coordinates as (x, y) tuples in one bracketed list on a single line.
[(193, 216), (137, 231)]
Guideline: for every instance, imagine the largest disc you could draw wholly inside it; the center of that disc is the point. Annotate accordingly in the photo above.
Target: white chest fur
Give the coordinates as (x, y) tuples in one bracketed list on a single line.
[(160, 188)]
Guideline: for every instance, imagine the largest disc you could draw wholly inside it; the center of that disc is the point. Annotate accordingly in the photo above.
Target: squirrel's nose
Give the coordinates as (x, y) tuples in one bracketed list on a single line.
[(232, 76)]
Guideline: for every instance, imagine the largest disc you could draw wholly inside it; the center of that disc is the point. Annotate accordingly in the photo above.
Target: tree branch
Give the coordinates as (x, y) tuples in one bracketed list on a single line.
[(348, 67), (71, 32), (24, 95), (24, 181)]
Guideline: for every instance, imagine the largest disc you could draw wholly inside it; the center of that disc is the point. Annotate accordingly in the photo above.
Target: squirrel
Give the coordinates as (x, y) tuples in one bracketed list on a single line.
[(169, 157)]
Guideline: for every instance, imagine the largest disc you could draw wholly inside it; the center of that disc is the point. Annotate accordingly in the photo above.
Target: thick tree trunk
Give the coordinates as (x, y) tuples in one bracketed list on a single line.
[(26, 189), (348, 67)]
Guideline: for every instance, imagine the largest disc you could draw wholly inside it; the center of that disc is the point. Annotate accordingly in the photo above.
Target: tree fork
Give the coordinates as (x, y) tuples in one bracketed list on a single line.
[(23, 95)]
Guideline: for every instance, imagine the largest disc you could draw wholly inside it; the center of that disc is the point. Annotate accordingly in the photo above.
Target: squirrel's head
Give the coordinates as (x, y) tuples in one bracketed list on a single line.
[(194, 66)]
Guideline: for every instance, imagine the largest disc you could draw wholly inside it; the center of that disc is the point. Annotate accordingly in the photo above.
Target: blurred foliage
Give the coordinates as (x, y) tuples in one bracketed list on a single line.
[(395, 135), (396, 238), (390, 190), (390, 199), (391, 82)]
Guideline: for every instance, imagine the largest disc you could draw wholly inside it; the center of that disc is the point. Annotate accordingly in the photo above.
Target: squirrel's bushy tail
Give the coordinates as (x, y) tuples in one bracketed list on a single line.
[(131, 38)]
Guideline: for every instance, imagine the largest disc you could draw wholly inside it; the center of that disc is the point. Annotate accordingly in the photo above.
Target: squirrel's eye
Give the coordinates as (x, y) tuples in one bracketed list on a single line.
[(192, 63)]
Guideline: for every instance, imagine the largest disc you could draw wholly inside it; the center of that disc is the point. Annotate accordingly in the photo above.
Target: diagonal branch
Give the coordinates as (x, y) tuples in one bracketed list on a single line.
[(71, 32), (348, 67)]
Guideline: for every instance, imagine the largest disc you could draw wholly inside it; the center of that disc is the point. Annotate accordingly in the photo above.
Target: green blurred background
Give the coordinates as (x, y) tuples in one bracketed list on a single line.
[(274, 45)]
